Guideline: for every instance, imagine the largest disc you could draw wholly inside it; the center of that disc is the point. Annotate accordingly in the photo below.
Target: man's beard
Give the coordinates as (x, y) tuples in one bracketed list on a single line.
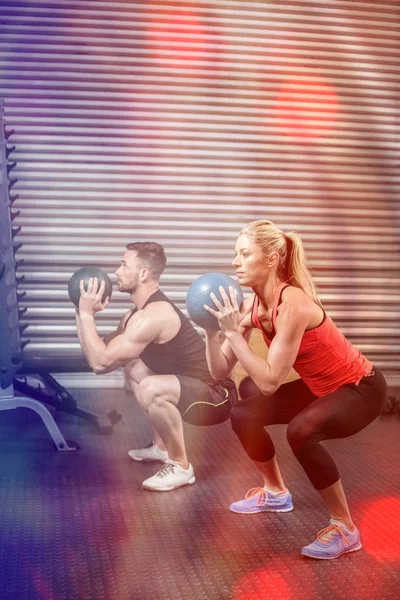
[(129, 287)]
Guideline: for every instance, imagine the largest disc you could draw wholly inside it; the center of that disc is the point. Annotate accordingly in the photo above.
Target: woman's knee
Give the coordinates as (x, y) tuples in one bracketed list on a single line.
[(300, 433), (244, 420), (238, 415)]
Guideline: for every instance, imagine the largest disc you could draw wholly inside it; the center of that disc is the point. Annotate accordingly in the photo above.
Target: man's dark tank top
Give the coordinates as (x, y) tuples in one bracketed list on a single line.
[(185, 354)]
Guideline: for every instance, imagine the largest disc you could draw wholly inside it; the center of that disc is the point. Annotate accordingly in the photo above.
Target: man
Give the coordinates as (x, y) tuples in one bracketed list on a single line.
[(164, 360)]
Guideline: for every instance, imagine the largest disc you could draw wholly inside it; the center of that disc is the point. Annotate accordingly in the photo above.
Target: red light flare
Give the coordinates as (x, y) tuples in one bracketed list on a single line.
[(176, 39), (278, 580), (380, 529), (306, 110)]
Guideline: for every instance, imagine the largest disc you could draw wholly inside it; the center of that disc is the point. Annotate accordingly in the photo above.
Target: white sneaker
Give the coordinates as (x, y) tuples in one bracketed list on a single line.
[(151, 453), (169, 477)]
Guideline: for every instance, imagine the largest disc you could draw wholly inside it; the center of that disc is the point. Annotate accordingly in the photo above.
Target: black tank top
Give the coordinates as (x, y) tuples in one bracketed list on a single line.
[(185, 354)]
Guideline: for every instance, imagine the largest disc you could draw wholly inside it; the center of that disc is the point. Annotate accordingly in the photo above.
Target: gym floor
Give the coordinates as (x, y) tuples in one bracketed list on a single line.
[(78, 526)]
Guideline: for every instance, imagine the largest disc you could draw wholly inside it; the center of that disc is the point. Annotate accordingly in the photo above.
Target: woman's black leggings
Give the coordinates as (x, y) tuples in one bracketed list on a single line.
[(310, 419)]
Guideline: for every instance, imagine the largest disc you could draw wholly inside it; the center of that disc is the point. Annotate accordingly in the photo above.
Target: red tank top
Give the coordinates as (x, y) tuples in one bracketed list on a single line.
[(326, 359)]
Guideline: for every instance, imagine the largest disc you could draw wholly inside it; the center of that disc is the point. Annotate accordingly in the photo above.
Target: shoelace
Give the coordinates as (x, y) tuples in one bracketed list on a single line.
[(325, 536), (166, 470), (261, 493)]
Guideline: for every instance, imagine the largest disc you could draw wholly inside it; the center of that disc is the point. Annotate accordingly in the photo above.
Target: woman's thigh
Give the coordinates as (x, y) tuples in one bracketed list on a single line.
[(346, 411), (279, 408)]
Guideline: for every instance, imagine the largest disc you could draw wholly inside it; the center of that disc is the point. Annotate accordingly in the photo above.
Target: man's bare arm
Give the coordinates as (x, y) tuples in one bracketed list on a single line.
[(142, 328), (120, 329)]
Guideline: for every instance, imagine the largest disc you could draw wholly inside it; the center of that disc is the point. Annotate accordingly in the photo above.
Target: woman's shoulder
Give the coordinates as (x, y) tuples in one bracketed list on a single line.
[(296, 302), (295, 294)]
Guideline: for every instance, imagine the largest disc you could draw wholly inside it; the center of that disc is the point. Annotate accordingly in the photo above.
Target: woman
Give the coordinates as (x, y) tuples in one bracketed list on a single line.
[(339, 393)]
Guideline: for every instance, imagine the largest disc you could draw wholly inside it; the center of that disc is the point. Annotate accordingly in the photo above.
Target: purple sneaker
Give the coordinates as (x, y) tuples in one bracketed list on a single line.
[(333, 541), (258, 500)]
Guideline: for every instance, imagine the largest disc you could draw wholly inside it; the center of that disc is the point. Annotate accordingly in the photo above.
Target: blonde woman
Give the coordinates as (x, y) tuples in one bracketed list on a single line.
[(339, 393)]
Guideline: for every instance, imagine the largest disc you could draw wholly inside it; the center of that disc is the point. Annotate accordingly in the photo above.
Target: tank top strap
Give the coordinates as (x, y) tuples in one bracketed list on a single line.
[(133, 311), (254, 313), (157, 296), (277, 301)]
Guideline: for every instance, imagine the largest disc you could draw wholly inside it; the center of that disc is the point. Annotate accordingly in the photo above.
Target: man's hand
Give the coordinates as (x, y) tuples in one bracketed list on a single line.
[(91, 300)]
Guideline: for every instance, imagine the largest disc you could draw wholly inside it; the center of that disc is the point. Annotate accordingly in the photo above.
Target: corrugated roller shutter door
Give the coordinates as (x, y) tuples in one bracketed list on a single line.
[(180, 122)]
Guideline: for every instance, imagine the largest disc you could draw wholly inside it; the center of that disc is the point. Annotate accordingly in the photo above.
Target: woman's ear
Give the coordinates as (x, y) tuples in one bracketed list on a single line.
[(273, 259)]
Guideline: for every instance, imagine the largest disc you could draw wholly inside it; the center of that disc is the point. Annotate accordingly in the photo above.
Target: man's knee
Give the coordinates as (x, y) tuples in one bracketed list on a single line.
[(135, 370), (149, 391), (130, 371), (153, 392)]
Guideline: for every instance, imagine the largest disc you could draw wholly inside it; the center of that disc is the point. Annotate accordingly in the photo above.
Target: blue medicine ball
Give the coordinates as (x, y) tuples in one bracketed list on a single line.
[(199, 294)]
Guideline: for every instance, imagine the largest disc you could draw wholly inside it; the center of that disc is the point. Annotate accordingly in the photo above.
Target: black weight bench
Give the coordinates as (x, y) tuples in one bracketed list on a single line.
[(49, 391)]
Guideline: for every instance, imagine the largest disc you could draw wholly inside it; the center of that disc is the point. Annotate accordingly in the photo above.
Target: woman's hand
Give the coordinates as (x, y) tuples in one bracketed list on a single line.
[(91, 300), (228, 313)]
